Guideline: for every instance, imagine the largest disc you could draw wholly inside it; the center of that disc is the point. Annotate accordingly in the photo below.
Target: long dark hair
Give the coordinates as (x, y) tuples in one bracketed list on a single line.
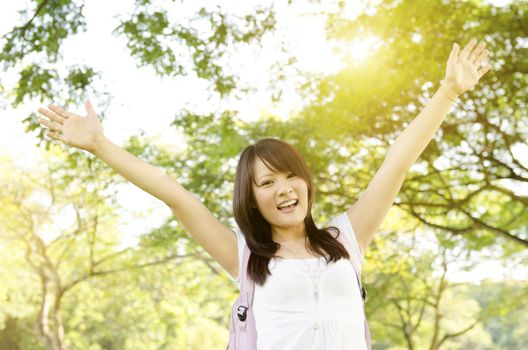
[(282, 157)]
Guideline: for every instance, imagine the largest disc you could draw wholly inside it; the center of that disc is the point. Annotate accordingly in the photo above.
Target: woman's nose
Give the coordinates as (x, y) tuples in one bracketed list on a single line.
[(285, 188)]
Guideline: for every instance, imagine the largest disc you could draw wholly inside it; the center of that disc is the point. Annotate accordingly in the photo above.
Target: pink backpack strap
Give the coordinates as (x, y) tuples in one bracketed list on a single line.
[(247, 286), (242, 328), (344, 241)]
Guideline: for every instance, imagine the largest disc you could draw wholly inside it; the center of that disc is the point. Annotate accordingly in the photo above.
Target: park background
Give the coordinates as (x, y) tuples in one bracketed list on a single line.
[(89, 261)]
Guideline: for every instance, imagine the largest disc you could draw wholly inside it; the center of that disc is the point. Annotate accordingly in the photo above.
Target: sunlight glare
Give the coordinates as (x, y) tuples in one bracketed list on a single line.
[(359, 49)]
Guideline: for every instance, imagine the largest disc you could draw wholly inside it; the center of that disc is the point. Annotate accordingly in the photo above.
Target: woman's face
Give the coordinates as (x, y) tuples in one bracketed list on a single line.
[(272, 190)]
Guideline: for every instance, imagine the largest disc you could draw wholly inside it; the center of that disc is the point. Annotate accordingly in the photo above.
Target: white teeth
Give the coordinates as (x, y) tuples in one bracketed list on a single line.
[(290, 202)]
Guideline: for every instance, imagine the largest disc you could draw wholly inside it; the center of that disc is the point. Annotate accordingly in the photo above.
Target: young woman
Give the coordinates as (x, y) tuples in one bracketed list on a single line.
[(290, 257)]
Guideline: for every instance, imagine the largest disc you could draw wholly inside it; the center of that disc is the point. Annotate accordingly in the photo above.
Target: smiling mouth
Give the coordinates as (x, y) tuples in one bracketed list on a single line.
[(292, 204)]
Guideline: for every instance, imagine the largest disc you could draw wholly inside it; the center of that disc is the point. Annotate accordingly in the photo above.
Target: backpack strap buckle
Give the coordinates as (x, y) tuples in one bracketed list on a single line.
[(363, 293), (242, 314)]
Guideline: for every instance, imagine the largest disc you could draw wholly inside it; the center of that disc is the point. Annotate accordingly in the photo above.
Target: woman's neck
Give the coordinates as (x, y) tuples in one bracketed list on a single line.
[(282, 235)]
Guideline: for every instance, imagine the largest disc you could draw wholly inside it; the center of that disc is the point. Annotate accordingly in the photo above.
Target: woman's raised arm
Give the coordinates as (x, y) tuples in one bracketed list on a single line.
[(463, 72), (87, 133)]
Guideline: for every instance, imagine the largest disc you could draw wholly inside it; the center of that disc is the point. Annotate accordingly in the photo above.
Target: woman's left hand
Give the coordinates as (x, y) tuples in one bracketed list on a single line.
[(463, 70)]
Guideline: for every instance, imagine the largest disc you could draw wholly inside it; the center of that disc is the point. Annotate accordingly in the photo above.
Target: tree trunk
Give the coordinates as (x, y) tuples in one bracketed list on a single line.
[(49, 323)]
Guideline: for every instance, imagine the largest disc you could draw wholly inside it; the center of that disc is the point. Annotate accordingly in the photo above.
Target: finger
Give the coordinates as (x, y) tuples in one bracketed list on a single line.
[(465, 52), (477, 52), (56, 136), (89, 108), (61, 111), (52, 115), (483, 70), (454, 53), (51, 124), (481, 58)]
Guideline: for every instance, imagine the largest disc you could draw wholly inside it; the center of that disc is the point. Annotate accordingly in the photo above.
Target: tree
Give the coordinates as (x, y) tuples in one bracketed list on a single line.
[(475, 159), (458, 189), (415, 305), (466, 186), (158, 35), (456, 174), (57, 258)]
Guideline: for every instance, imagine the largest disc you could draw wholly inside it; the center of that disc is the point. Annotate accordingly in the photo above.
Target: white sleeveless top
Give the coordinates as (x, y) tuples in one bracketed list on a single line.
[(286, 314)]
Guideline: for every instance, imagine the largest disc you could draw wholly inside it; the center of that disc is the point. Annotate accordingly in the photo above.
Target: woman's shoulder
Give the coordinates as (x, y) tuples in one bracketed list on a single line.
[(241, 245), (343, 224)]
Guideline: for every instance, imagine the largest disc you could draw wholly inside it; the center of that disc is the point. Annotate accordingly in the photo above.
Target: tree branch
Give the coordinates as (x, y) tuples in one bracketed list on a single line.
[(24, 27)]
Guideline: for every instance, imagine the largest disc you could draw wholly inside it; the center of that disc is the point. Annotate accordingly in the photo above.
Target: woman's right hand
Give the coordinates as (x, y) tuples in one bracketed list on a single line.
[(72, 129)]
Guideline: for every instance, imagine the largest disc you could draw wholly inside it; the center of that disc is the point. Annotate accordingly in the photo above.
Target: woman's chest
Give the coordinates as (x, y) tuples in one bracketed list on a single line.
[(295, 282)]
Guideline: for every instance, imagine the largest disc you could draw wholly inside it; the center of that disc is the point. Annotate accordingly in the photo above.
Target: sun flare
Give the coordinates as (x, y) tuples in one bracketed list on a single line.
[(360, 49)]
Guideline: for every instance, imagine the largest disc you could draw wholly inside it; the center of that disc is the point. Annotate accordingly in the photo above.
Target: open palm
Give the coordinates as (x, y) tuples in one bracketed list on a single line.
[(72, 129), (463, 71)]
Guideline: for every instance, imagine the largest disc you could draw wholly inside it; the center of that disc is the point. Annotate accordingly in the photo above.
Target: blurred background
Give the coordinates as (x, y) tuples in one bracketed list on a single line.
[(88, 261)]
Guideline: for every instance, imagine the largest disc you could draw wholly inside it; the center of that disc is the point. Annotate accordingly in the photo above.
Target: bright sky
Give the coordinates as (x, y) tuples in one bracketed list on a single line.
[(142, 101)]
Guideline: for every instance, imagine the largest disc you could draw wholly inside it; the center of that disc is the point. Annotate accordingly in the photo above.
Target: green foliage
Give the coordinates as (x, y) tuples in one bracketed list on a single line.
[(156, 308), (506, 310), (35, 81), (143, 30), (41, 83), (152, 39), (345, 132), (112, 297), (43, 30), (463, 191), (80, 78), (207, 172), (471, 157)]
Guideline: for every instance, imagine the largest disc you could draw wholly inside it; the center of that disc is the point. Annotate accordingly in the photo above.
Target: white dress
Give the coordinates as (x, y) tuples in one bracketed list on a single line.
[(286, 314)]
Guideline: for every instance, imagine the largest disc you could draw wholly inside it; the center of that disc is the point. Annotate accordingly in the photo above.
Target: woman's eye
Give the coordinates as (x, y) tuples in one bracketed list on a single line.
[(292, 175), (266, 183)]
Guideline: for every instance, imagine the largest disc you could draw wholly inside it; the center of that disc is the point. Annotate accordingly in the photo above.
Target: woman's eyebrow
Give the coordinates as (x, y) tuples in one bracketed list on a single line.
[(268, 174)]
